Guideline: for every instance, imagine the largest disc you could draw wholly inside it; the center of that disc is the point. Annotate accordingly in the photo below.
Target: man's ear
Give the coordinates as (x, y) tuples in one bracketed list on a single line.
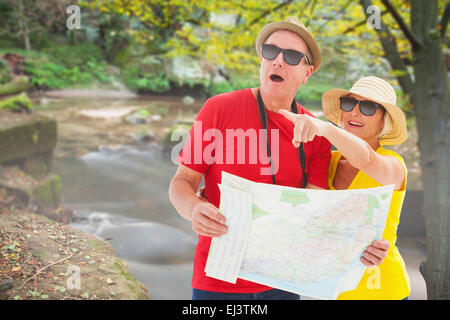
[(309, 72)]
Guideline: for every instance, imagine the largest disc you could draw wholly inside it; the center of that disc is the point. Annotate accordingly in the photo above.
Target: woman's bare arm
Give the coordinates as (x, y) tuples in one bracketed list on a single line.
[(384, 169)]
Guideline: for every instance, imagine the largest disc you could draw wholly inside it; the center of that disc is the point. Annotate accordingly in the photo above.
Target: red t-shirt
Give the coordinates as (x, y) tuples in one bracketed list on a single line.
[(226, 137)]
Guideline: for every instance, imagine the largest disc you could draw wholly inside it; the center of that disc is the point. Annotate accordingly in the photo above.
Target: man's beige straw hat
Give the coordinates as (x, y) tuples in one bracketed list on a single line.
[(373, 89), (294, 25)]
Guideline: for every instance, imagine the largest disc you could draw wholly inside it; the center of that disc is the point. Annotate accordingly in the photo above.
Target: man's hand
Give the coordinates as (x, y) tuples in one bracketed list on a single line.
[(201, 193), (204, 216), (375, 253), (207, 221), (306, 127)]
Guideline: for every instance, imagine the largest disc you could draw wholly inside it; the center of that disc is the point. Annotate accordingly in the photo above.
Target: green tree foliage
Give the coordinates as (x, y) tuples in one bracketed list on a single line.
[(223, 32)]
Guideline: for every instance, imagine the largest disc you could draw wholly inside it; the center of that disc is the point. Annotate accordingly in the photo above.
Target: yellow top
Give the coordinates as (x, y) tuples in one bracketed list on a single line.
[(389, 280)]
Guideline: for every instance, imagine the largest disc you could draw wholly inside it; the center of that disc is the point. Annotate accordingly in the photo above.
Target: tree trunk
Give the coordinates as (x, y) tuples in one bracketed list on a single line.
[(429, 96), (26, 38), (430, 100), (23, 21)]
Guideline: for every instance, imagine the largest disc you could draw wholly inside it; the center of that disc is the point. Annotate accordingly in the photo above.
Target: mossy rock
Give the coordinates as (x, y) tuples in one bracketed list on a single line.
[(19, 84), (39, 164), (48, 192), (44, 192), (17, 103), (22, 135)]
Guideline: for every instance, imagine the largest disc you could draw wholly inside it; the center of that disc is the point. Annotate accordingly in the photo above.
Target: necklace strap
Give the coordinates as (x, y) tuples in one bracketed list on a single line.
[(301, 151)]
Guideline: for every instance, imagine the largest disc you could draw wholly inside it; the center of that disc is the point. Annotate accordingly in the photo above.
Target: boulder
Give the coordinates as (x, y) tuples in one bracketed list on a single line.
[(23, 136), (43, 193), (19, 103), (17, 85)]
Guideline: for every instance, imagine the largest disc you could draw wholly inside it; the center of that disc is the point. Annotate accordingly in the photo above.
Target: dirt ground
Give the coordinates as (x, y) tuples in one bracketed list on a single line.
[(41, 259)]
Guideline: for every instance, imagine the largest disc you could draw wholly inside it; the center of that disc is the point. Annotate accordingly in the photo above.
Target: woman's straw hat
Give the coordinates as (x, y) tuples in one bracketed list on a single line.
[(294, 25), (373, 89)]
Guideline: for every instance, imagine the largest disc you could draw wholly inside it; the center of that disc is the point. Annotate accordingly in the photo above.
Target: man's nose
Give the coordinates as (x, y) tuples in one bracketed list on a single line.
[(278, 59)]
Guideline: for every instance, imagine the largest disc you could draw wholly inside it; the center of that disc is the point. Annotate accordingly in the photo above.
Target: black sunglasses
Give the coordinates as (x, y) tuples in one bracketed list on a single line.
[(292, 57), (366, 107)]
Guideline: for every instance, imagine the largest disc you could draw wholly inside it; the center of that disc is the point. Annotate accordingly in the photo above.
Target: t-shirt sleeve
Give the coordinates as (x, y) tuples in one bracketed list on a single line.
[(192, 154), (320, 161)]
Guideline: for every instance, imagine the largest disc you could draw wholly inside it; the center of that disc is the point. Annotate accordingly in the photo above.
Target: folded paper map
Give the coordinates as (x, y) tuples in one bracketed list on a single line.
[(299, 240)]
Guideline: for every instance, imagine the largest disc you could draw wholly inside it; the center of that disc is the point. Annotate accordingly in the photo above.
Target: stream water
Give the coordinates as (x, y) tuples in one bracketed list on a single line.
[(120, 193)]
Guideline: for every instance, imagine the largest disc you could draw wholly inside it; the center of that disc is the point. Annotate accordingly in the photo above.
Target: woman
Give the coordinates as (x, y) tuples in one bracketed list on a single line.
[(369, 117)]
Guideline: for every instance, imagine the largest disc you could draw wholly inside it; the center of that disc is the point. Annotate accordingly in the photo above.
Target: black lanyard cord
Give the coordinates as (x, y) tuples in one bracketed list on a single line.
[(301, 151)]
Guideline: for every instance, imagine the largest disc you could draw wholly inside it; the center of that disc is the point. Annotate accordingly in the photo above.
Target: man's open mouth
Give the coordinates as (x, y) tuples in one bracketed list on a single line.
[(276, 78)]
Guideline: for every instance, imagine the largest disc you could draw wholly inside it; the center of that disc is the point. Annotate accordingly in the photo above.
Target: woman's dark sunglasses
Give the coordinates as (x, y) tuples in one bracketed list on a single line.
[(366, 107), (292, 57)]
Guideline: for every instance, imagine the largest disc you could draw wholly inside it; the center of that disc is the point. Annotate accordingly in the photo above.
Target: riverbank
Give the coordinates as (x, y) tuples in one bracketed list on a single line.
[(41, 259), (87, 124)]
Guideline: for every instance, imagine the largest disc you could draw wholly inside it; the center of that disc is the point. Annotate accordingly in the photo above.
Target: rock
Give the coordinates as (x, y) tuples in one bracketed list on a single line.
[(39, 164), (136, 118), (156, 117), (184, 69), (19, 103), (6, 285), (17, 85), (44, 101), (151, 64), (43, 193), (107, 114), (143, 136), (47, 194), (23, 135), (188, 100)]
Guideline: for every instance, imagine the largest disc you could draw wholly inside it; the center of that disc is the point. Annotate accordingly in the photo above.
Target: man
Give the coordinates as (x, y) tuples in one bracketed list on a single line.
[(289, 55)]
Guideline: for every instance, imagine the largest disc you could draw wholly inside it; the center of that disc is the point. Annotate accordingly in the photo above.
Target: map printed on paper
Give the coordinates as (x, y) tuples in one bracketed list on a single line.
[(299, 240)]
